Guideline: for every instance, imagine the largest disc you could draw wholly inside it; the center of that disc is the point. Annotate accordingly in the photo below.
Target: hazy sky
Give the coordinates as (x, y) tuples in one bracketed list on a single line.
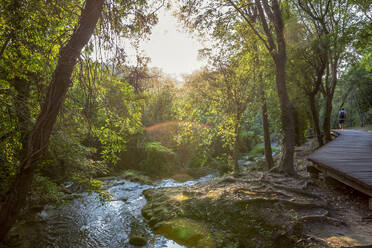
[(172, 49)]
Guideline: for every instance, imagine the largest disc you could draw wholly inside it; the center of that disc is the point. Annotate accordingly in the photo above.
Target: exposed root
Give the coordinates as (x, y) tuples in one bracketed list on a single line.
[(284, 203), (323, 219), (299, 191)]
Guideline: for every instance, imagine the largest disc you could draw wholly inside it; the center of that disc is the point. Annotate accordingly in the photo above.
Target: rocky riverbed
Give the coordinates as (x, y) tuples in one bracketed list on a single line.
[(255, 209), (259, 209), (87, 220)]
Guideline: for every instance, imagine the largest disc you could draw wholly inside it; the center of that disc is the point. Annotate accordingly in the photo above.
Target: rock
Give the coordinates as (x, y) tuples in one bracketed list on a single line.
[(153, 221), (146, 213), (230, 212), (228, 180), (135, 176), (187, 232), (182, 177), (138, 241), (36, 209), (66, 191), (72, 197)]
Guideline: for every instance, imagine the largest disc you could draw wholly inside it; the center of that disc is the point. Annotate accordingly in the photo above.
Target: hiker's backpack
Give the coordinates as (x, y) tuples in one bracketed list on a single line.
[(341, 115)]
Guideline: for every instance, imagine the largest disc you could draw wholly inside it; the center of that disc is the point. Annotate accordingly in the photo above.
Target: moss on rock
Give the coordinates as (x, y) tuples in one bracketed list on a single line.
[(187, 232), (138, 241), (136, 176), (244, 212)]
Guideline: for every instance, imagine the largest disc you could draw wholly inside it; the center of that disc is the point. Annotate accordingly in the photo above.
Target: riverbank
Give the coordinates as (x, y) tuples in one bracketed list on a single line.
[(260, 209), (256, 209), (87, 220)]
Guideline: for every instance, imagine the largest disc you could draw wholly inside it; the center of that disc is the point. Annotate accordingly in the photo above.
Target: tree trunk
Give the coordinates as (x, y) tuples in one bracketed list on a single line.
[(286, 163), (327, 119), (236, 144), (278, 53), (280, 59), (315, 117), (266, 132), (329, 97), (39, 136)]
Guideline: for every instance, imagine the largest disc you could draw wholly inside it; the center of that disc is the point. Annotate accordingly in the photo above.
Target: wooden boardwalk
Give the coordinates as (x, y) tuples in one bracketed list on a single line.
[(348, 159)]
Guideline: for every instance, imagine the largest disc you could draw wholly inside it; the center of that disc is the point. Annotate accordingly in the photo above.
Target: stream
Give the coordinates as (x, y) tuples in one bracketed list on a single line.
[(86, 221)]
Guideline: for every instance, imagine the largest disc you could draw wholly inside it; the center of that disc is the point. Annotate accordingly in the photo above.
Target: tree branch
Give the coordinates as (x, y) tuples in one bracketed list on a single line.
[(250, 24)]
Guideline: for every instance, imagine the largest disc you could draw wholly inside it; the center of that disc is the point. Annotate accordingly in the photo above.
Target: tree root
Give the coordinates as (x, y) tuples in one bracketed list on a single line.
[(286, 203), (298, 227), (299, 192), (322, 218), (300, 205), (268, 192)]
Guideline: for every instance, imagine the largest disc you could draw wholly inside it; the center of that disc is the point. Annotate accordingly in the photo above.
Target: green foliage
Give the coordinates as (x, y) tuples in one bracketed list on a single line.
[(154, 148), (248, 139), (301, 118), (8, 160), (193, 142), (29, 32), (259, 150), (111, 106), (92, 186), (159, 99), (45, 191), (158, 159), (354, 94), (67, 156)]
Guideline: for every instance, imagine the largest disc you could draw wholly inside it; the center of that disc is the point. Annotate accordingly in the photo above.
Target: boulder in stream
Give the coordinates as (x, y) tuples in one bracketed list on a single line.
[(138, 241)]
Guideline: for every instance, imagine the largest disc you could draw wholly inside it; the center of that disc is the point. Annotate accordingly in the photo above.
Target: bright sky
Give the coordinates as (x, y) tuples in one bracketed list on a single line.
[(172, 49)]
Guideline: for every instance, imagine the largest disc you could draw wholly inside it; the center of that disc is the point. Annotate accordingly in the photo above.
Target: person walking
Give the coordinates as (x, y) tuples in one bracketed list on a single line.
[(341, 118)]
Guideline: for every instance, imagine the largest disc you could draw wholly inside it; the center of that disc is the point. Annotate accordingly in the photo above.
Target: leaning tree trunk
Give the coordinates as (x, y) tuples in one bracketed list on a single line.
[(315, 117), (39, 136), (266, 131)]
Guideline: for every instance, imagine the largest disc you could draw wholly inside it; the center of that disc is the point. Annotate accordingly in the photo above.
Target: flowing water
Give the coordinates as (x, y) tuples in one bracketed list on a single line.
[(89, 222)]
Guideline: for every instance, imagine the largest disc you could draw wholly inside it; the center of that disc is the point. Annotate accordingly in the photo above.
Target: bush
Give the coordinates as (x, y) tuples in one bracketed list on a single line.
[(158, 159), (248, 139), (44, 191), (259, 150)]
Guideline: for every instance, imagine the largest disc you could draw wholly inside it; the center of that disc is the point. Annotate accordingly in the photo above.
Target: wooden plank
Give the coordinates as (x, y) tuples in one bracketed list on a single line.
[(348, 159), (345, 179)]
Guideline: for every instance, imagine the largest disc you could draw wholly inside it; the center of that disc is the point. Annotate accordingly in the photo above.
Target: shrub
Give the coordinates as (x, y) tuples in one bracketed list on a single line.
[(158, 159), (259, 150)]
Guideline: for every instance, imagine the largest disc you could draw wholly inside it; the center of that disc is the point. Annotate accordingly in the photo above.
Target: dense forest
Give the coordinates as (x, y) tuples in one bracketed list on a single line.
[(74, 108)]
